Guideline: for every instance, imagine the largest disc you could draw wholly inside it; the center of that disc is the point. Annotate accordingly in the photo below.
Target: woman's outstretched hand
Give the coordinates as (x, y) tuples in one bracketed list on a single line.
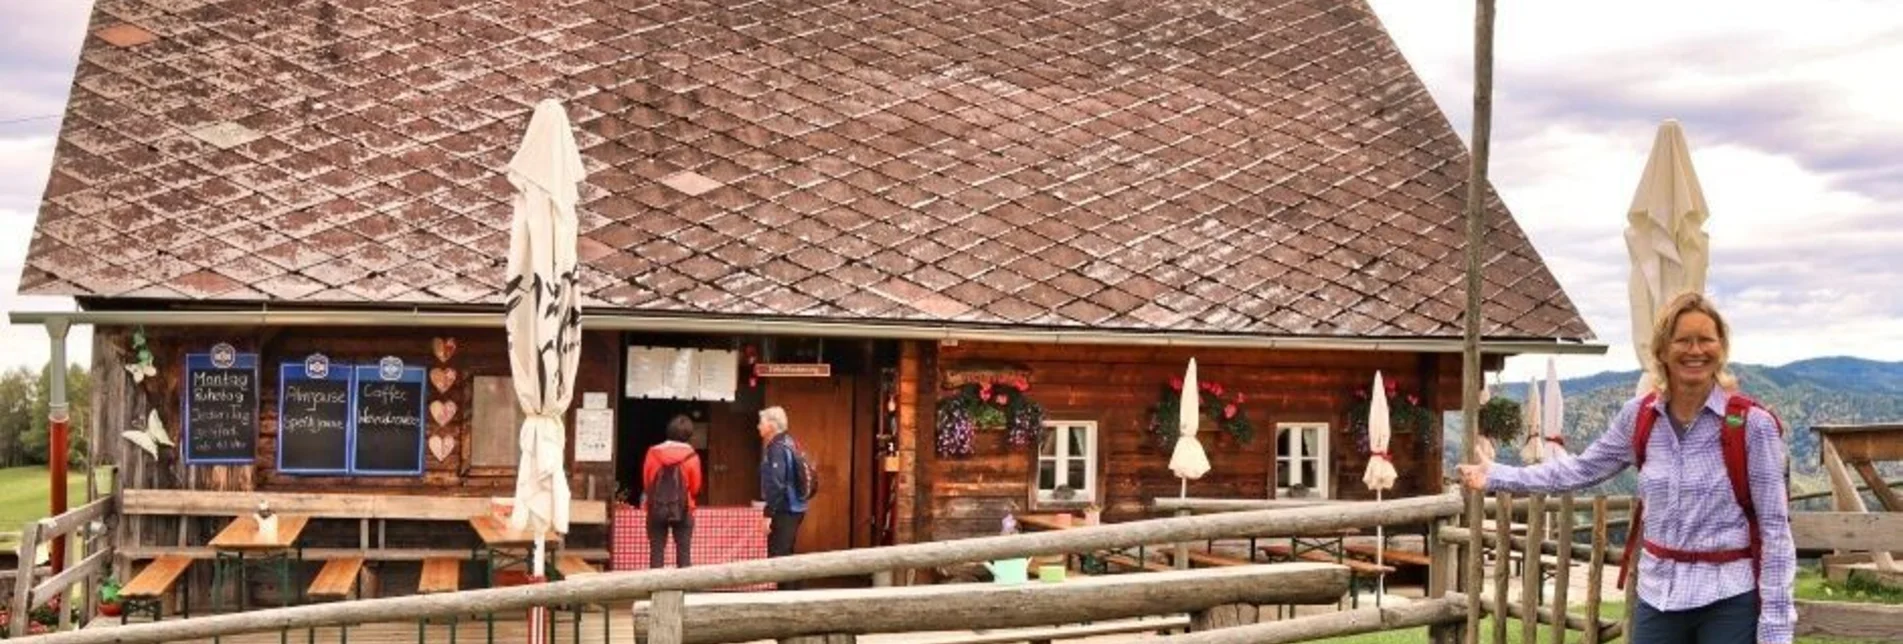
[(1474, 477)]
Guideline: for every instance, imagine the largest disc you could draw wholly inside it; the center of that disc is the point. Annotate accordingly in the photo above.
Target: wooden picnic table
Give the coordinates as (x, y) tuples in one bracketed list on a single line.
[(240, 539)]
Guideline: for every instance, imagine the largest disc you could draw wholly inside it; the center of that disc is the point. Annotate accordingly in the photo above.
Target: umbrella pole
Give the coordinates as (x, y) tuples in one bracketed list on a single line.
[(538, 615), (1380, 548)]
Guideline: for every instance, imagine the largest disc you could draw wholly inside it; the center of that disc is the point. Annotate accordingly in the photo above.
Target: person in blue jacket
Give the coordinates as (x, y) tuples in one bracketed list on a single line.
[(779, 487)]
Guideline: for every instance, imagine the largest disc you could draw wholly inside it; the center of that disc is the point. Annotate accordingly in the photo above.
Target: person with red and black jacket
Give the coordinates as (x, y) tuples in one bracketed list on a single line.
[(670, 504)]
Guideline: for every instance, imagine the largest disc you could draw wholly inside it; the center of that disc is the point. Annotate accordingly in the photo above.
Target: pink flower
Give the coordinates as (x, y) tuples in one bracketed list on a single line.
[(1361, 394), (1228, 411), (1000, 399), (1390, 385), (1176, 384), (1240, 398), (1413, 399), (1023, 385), (1215, 388)]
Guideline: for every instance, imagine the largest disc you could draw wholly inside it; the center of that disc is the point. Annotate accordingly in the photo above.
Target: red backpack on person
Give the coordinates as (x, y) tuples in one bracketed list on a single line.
[(1735, 443)]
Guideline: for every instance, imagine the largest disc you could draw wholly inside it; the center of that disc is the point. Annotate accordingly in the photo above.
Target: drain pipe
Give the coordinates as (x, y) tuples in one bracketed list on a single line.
[(56, 419)]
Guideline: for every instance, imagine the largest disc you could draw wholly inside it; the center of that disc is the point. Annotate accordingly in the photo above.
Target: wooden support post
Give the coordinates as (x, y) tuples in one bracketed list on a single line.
[(1503, 523), (665, 610), (1441, 573), (1886, 497), (1224, 616), (1471, 380), (1632, 576), (1595, 566), (23, 584), (1182, 547), (1563, 577), (1532, 572), (1844, 493)]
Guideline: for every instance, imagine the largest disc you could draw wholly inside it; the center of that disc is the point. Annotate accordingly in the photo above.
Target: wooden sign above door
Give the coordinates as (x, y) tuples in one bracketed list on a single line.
[(793, 370), (975, 373)]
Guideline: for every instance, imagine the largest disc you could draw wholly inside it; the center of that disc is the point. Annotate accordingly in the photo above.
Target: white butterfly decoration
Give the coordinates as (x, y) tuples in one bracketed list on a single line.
[(141, 371), (153, 437)]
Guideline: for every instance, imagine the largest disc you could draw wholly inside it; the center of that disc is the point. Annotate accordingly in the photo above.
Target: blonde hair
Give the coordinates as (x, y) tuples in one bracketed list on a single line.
[(776, 417), (1667, 322)]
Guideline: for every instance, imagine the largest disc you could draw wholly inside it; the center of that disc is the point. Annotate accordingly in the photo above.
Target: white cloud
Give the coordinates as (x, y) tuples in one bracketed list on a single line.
[(1798, 147)]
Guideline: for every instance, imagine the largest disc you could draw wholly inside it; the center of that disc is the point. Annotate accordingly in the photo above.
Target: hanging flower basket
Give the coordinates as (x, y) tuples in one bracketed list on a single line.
[(1217, 402), (988, 405), (1501, 419), (1405, 414)]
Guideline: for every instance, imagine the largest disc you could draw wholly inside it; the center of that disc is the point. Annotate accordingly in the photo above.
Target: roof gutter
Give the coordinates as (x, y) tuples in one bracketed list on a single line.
[(809, 328)]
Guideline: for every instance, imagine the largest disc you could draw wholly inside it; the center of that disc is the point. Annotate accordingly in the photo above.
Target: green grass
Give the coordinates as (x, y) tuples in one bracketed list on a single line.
[(1812, 585), (24, 497), (1607, 611)]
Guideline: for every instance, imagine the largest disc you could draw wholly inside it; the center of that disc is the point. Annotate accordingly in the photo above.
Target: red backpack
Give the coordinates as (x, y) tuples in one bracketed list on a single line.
[(1734, 441)]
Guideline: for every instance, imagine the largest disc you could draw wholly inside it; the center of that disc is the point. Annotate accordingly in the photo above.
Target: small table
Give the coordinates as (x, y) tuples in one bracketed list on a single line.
[(721, 535), (502, 546), (239, 539)]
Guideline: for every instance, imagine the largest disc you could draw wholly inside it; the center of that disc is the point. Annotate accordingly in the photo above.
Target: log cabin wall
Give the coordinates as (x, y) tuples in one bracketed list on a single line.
[(479, 352), (1117, 387)]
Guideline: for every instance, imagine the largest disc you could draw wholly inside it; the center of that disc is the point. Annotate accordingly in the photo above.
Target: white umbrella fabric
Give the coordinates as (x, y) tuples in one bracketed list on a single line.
[(1187, 460), (1530, 451), (1380, 473), (543, 318), (1665, 238), (1553, 416)]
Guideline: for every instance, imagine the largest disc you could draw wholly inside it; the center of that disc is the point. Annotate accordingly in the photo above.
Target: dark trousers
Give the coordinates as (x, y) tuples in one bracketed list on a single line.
[(1725, 621), (683, 530), (779, 540)]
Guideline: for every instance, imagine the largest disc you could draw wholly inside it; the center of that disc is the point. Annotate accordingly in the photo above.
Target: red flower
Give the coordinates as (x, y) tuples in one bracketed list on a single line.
[(1215, 388), (1176, 384), (984, 390), (1228, 411), (1390, 385), (1023, 385), (1361, 394), (1000, 399), (1240, 398)]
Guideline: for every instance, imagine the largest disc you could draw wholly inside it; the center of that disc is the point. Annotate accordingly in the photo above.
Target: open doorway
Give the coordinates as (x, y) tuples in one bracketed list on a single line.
[(643, 424)]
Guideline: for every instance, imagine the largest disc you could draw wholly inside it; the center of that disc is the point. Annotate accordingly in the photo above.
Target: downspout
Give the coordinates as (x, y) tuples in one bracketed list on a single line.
[(57, 417)]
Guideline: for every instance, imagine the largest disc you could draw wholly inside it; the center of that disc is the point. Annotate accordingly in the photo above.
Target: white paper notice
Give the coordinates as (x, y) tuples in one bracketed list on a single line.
[(594, 400), (681, 380), (718, 371), (646, 371), (594, 435)]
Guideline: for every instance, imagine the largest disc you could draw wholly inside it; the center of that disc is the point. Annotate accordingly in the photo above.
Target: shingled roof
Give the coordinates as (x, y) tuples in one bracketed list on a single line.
[(1224, 166)]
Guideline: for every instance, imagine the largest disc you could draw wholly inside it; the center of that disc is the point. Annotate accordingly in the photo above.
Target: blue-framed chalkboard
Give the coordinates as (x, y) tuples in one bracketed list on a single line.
[(387, 419), (220, 407), (314, 417)]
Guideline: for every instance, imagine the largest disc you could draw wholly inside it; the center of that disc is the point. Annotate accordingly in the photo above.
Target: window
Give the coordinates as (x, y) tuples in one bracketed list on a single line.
[(1301, 459), (1067, 463)]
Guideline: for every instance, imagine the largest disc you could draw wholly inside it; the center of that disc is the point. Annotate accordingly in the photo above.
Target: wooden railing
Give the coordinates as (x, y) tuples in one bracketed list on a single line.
[(29, 595), (665, 587)]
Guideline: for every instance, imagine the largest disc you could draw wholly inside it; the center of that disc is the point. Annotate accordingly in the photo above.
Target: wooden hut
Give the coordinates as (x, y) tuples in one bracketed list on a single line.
[(855, 211)]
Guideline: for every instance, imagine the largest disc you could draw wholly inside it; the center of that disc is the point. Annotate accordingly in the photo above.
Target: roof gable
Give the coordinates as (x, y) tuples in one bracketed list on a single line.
[(1236, 167)]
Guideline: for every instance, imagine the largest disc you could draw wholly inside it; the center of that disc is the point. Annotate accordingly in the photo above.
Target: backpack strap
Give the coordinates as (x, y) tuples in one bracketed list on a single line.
[(1735, 439), (1641, 436)]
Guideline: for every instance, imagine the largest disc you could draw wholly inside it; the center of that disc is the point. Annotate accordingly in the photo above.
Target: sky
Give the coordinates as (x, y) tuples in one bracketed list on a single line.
[(1793, 117)]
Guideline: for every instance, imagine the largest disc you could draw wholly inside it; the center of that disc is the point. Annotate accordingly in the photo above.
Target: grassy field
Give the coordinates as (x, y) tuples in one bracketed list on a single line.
[(24, 497)]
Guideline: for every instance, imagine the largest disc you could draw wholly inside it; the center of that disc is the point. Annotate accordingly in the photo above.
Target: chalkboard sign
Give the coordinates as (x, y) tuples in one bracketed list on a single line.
[(388, 420), (221, 407), (314, 417)]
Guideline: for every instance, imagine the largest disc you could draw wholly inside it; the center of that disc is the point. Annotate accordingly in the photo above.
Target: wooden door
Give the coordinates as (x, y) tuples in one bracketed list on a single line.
[(733, 456), (819, 414)]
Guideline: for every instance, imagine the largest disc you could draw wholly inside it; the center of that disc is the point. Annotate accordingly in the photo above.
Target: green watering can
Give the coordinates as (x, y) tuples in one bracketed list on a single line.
[(1009, 571)]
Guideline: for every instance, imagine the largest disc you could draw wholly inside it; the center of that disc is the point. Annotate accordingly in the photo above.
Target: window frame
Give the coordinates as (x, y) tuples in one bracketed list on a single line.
[(1089, 493), (1325, 433)]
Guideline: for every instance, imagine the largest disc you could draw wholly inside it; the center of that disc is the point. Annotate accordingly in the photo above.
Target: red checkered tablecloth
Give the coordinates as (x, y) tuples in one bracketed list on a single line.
[(721, 535)]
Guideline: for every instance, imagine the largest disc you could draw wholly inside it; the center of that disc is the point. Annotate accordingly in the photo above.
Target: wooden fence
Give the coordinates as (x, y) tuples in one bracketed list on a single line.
[(672, 614), (35, 586)]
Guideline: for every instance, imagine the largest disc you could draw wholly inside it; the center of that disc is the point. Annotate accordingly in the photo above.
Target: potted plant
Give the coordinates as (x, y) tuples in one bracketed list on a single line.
[(1501, 420), (109, 605)]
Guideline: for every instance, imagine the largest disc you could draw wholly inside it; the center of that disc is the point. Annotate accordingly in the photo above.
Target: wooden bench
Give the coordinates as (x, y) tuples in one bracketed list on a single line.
[(1128, 561), (1357, 570), (147, 590), (338, 578), (569, 565), (1389, 555), (441, 575), (1211, 560)]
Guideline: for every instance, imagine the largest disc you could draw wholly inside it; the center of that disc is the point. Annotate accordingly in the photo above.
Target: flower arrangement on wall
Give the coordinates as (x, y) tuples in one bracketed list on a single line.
[(1217, 402), (990, 403), (1405, 414)]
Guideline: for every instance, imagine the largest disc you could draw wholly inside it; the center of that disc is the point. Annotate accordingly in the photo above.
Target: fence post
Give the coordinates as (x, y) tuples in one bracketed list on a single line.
[(1533, 569), (1182, 547), (1502, 526), (1632, 579), (1563, 577), (1595, 568), (664, 617), (1223, 616), (23, 584), (1440, 571)]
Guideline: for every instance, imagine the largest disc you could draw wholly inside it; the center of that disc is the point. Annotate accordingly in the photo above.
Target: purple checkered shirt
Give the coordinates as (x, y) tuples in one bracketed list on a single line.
[(1689, 506)]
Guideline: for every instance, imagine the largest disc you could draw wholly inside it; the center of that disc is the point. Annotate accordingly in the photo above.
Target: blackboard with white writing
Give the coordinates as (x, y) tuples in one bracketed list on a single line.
[(314, 419), (221, 408), (388, 419)]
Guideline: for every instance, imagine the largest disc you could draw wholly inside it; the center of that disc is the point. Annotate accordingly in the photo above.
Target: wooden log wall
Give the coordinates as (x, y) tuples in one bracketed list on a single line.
[(478, 353), (1118, 386)]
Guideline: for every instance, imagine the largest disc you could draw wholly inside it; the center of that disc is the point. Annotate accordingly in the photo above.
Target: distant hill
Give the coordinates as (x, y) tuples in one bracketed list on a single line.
[(1835, 390)]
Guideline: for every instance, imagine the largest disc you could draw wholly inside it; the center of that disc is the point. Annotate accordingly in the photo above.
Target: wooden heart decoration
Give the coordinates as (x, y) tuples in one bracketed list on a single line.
[(443, 411), (442, 446), (442, 378), (444, 348)]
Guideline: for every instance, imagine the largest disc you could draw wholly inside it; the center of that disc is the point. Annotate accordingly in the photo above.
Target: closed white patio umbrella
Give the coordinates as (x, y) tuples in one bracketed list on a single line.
[(1665, 238)]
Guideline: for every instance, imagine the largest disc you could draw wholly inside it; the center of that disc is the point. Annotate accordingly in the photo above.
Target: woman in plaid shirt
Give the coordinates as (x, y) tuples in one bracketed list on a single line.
[(1693, 584)]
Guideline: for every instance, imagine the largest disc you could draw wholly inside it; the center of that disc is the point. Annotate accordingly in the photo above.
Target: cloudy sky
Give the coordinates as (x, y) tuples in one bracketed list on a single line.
[(1795, 122)]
